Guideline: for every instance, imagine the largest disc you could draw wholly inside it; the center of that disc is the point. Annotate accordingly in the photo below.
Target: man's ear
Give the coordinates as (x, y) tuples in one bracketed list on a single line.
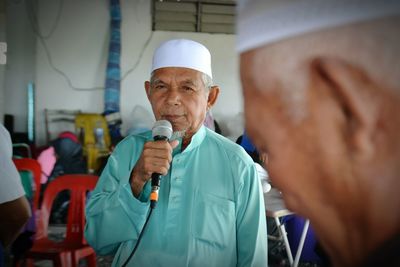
[(212, 96), (147, 88), (357, 94)]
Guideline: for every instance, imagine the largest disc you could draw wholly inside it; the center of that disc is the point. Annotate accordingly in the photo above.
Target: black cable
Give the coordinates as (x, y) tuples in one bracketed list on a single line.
[(32, 11), (138, 241)]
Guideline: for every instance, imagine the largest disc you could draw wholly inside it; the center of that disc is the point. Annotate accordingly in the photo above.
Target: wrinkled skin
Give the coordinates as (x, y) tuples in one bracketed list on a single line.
[(330, 127)]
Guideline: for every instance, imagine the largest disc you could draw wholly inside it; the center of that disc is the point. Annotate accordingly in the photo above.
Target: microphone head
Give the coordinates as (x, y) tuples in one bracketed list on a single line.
[(162, 129)]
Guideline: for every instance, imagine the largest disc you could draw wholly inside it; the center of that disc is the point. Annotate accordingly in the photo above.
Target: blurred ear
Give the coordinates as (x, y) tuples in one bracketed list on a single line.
[(147, 88), (212, 96), (356, 93)]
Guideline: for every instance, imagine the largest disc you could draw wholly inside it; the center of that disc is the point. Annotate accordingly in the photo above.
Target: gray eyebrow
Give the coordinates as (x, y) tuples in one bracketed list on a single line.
[(190, 82), (155, 81)]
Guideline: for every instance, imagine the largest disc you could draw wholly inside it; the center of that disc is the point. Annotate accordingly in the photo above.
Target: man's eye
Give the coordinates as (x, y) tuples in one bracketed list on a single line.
[(188, 88), (160, 87)]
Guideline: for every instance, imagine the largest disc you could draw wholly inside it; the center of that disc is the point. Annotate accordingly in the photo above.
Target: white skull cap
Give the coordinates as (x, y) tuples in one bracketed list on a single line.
[(260, 22), (182, 53)]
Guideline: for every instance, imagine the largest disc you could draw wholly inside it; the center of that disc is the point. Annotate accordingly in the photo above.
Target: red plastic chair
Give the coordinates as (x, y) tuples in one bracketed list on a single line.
[(33, 166), (74, 247)]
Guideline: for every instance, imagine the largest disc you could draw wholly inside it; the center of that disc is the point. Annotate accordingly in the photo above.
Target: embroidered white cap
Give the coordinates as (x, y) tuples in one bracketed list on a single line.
[(182, 53), (260, 22)]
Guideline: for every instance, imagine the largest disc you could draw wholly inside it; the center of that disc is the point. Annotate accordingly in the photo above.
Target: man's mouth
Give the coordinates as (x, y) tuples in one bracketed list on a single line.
[(172, 117)]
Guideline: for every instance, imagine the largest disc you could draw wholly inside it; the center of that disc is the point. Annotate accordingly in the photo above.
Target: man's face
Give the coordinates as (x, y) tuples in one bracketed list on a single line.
[(320, 105), (179, 96), (289, 117)]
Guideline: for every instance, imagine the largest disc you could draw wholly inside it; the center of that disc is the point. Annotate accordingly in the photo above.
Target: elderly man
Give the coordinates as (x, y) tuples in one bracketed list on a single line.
[(321, 86), (210, 210)]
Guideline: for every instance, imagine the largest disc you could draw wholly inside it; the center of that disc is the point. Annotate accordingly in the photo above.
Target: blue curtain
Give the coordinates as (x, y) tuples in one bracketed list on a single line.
[(113, 73)]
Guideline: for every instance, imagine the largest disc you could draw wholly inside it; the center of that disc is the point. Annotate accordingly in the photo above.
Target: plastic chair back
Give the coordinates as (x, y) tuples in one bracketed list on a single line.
[(33, 166), (78, 185), (27, 149)]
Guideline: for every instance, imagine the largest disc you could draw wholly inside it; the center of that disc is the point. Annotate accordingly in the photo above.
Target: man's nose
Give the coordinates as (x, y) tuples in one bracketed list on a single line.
[(173, 97)]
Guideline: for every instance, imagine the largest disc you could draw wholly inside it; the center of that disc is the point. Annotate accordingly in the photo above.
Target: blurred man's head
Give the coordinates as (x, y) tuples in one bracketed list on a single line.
[(322, 98)]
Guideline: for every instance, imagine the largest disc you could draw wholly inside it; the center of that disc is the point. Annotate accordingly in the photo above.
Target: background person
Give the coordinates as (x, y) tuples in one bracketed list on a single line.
[(14, 208)]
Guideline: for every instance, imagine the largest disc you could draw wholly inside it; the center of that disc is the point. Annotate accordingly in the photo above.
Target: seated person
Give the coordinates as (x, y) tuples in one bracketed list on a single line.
[(260, 160), (14, 207)]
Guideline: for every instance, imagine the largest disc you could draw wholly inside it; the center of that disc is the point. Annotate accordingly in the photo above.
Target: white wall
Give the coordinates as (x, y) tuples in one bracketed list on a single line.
[(78, 47), (2, 67), (20, 67)]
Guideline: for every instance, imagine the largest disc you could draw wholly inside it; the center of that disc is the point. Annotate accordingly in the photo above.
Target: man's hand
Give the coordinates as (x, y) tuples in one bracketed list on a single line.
[(155, 158)]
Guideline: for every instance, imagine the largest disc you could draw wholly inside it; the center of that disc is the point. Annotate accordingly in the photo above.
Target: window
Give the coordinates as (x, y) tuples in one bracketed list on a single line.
[(212, 16)]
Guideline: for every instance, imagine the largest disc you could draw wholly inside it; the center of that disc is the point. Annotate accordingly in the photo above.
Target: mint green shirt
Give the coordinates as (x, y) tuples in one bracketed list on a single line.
[(210, 210)]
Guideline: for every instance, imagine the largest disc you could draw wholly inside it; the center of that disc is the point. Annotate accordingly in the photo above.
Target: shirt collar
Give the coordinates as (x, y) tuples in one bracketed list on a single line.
[(197, 139)]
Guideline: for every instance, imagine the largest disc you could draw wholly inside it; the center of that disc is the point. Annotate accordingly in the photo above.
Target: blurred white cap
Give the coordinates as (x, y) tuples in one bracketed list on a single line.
[(260, 22), (182, 53)]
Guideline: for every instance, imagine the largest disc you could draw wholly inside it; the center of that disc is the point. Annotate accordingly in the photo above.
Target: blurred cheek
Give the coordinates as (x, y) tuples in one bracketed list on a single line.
[(282, 171), (252, 119)]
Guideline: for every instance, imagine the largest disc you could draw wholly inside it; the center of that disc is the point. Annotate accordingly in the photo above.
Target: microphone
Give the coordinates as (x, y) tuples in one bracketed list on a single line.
[(162, 130)]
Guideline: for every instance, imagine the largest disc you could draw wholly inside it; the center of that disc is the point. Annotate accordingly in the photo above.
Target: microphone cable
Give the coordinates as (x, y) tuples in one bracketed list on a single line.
[(139, 238)]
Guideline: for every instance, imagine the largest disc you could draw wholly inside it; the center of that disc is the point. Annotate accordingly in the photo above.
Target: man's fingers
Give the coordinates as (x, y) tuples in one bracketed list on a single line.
[(159, 149), (156, 157), (156, 165), (157, 154)]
